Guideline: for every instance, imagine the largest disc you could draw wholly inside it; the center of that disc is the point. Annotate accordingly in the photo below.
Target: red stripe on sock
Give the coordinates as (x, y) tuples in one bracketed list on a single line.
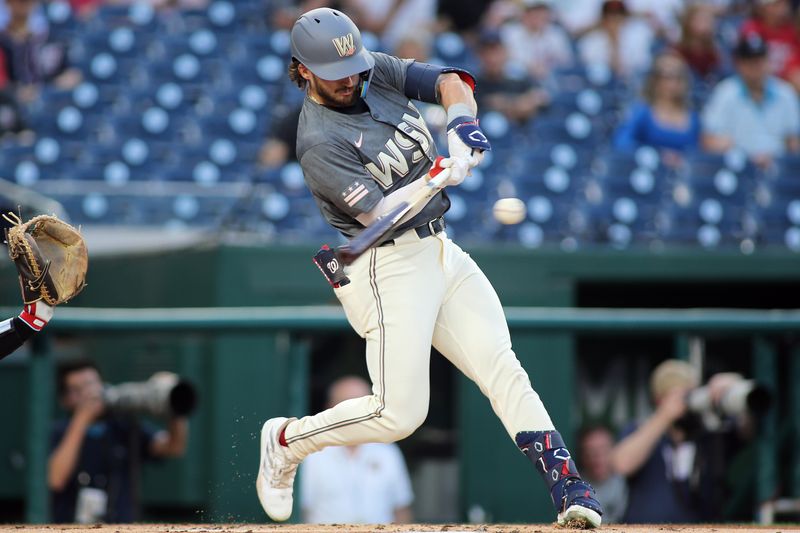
[(282, 437)]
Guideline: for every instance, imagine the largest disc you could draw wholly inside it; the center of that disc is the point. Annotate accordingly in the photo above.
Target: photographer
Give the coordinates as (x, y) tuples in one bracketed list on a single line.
[(95, 451), (675, 461)]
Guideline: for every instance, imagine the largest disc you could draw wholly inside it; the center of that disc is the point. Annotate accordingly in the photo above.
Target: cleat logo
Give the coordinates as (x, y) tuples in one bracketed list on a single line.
[(554, 475), (538, 446), (344, 45)]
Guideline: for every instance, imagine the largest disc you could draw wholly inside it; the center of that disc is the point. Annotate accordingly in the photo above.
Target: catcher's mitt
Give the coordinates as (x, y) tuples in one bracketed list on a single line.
[(51, 258)]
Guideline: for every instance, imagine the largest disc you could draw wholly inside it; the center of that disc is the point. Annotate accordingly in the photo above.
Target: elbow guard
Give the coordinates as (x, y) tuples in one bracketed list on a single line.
[(421, 80)]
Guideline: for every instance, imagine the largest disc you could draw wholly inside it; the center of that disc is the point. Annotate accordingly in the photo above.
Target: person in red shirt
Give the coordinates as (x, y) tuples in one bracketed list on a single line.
[(697, 44), (773, 21)]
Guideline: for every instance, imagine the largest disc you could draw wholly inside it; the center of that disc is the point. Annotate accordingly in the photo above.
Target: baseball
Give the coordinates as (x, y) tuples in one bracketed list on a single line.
[(509, 210)]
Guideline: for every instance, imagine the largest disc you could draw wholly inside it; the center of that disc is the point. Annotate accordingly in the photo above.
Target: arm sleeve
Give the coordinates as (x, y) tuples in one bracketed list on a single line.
[(626, 138), (13, 334), (792, 116), (714, 121), (338, 176)]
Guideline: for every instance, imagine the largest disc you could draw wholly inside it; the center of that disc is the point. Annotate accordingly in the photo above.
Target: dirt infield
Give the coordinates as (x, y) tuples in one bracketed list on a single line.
[(406, 528)]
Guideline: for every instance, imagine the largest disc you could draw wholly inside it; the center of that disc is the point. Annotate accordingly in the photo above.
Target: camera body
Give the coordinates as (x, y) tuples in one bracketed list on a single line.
[(164, 395)]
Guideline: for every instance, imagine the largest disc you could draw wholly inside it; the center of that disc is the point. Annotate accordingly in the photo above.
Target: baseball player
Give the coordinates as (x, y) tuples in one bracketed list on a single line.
[(364, 148)]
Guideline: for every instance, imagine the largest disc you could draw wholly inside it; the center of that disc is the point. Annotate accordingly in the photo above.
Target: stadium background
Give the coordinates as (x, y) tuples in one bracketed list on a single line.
[(155, 154)]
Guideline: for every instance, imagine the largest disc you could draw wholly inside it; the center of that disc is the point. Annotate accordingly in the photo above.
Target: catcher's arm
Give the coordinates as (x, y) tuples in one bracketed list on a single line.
[(16, 330)]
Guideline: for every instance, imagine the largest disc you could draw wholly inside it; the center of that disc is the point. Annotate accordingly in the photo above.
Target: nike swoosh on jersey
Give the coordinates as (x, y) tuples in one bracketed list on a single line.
[(360, 139)]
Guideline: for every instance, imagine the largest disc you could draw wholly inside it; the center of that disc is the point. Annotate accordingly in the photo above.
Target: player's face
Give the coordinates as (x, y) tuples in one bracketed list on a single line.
[(335, 93)]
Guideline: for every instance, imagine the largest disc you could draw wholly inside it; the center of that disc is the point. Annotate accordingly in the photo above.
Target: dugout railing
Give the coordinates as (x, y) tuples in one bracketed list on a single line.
[(287, 324)]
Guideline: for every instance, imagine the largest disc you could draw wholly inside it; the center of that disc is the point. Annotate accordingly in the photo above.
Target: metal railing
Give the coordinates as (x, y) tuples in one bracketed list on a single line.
[(682, 323)]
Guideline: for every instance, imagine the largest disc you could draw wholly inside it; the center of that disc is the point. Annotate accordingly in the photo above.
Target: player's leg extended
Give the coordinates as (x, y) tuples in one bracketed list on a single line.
[(471, 331), (391, 301)]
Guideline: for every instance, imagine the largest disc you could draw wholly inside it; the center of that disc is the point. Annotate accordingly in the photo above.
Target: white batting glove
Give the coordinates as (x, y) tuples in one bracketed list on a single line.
[(457, 148), (36, 315), (459, 168)]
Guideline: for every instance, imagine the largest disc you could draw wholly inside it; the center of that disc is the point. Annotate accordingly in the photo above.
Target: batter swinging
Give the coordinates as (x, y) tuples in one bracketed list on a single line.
[(364, 148)]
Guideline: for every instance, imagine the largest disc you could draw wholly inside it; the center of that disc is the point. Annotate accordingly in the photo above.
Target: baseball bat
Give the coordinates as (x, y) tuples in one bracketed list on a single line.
[(375, 232)]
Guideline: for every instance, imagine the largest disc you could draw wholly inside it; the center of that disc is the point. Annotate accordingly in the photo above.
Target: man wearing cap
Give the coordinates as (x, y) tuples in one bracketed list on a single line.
[(364, 148), (752, 111)]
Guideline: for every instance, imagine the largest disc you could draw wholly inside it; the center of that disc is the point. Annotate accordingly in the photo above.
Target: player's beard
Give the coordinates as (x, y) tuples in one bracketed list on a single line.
[(337, 97)]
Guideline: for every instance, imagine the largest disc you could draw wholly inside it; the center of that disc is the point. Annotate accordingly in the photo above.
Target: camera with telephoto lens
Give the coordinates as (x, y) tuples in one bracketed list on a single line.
[(739, 398), (164, 395)]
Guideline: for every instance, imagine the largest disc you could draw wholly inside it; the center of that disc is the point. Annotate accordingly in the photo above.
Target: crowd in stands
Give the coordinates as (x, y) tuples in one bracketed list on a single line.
[(636, 122)]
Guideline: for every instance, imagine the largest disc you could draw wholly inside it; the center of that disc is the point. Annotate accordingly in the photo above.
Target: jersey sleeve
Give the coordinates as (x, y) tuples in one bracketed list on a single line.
[(391, 70), (339, 177)]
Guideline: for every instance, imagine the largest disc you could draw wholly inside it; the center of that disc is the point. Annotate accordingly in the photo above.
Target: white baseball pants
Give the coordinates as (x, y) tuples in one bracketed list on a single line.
[(402, 299)]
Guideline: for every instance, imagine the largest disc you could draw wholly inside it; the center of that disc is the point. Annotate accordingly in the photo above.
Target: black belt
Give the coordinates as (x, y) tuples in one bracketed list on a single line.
[(426, 230)]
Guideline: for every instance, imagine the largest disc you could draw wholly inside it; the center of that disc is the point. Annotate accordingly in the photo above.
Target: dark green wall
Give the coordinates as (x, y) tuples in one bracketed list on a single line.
[(246, 378)]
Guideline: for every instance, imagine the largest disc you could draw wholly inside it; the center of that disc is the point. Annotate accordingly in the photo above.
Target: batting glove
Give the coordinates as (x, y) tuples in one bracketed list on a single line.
[(36, 315), (466, 140), (459, 168)]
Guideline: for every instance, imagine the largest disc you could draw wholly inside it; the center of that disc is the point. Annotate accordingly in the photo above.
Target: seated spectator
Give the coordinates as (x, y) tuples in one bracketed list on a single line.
[(536, 42), (517, 97), (415, 45), (391, 20), (37, 22), (595, 444), (752, 111), (578, 16), (281, 145), (31, 59), (664, 120), (365, 484), (663, 16), (773, 21), (93, 452), (620, 42), (697, 43)]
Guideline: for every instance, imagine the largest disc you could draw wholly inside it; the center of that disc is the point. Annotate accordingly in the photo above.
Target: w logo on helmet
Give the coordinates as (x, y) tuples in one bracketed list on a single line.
[(344, 45)]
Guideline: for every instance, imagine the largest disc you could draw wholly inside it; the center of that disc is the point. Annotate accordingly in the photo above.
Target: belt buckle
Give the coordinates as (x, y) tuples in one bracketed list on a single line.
[(431, 225)]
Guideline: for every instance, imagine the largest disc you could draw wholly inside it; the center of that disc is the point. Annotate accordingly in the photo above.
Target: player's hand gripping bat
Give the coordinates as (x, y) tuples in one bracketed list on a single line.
[(375, 232)]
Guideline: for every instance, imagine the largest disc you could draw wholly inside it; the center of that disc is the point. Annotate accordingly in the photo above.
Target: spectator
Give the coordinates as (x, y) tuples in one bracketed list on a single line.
[(697, 43), (664, 120), (578, 16), (517, 97), (674, 465), (281, 146), (619, 42), (93, 452), (536, 42), (772, 20), (414, 45), (30, 58), (391, 20), (366, 484), (595, 447), (752, 111), (663, 16)]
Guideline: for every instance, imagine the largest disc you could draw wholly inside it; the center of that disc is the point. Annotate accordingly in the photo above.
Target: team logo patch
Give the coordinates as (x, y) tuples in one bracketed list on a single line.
[(344, 45)]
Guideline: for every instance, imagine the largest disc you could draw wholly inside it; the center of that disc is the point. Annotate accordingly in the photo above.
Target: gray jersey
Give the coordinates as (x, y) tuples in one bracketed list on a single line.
[(351, 161)]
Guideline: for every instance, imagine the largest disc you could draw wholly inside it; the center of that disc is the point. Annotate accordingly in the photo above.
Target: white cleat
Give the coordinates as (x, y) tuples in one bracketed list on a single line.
[(579, 517), (276, 472)]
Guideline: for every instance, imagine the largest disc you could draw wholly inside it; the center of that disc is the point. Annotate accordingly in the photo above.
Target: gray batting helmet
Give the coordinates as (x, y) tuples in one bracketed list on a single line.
[(329, 44)]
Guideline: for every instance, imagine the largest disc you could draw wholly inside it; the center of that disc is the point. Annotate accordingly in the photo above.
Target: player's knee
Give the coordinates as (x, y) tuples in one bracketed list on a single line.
[(404, 420)]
